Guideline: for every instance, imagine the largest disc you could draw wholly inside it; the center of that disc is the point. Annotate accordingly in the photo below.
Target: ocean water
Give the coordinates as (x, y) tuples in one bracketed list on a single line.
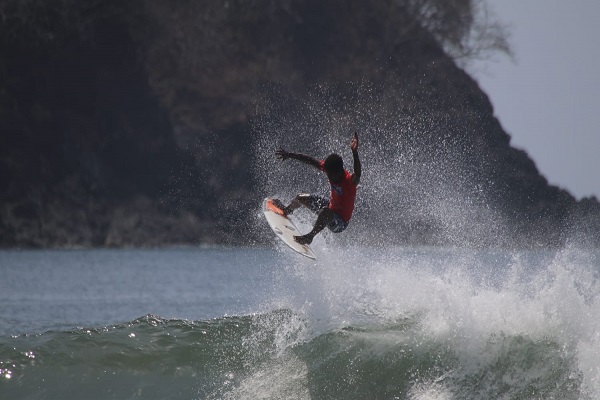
[(259, 323)]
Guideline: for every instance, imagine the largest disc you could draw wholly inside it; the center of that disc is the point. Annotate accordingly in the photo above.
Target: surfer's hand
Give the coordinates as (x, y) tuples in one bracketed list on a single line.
[(354, 142), (282, 154)]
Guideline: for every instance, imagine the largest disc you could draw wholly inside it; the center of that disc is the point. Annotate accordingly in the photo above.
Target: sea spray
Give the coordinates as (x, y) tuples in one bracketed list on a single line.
[(423, 181), (512, 323)]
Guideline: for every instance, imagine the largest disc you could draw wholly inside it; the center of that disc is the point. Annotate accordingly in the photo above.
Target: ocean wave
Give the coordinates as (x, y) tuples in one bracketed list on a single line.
[(277, 355)]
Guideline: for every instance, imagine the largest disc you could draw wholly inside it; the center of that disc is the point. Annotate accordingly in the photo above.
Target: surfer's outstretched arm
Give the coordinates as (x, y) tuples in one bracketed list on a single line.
[(357, 165), (284, 155)]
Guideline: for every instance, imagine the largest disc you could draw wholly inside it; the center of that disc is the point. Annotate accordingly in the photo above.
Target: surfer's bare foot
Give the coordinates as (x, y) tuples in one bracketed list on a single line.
[(277, 203), (304, 239)]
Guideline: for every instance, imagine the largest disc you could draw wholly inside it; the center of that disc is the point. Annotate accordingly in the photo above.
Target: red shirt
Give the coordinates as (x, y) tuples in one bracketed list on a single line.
[(343, 194)]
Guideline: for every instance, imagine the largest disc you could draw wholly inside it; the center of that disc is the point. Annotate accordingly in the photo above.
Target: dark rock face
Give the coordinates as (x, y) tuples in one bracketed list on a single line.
[(147, 123)]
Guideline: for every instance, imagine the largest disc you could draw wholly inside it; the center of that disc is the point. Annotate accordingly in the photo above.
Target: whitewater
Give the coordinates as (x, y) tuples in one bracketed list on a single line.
[(359, 323)]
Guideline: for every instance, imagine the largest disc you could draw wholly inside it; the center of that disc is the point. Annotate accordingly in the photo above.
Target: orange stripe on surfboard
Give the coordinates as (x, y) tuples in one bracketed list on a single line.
[(272, 207)]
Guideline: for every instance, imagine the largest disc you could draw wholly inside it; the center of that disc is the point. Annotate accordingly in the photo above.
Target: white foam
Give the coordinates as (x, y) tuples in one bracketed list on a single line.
[(461, 298)]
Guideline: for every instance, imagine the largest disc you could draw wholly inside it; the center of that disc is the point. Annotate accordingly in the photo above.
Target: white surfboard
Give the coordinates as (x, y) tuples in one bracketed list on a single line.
[(285, 228)]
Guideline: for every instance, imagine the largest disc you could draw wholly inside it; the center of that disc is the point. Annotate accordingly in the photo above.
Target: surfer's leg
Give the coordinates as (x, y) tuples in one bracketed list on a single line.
[(310, 201), (279, 204), (325, 217)]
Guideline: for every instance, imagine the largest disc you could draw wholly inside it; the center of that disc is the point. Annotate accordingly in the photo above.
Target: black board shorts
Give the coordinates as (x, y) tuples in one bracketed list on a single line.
[(317, 203)]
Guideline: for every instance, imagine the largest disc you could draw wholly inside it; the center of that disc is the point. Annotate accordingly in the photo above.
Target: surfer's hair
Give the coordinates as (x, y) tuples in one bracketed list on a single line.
[(334, 163)]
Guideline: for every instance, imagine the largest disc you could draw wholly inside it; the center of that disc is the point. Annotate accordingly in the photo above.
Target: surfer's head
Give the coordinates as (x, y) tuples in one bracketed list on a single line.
[(334, 167)]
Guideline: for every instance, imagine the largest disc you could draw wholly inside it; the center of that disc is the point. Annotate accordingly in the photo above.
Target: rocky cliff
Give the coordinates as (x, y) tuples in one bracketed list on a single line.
[(149, 123)]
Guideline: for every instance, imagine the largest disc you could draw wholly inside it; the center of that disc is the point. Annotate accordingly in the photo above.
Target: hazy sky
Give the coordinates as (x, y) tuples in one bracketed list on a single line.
[(548, 98)]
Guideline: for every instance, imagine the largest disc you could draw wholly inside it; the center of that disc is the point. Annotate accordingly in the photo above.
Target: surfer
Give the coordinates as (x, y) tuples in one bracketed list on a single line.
[(336, 211)]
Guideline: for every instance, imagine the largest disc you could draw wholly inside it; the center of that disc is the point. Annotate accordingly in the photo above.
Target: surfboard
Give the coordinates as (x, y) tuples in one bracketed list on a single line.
[(285, 228)]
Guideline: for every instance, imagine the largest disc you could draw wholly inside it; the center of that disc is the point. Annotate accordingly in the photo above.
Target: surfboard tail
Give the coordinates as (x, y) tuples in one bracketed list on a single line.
[(271, 206)]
